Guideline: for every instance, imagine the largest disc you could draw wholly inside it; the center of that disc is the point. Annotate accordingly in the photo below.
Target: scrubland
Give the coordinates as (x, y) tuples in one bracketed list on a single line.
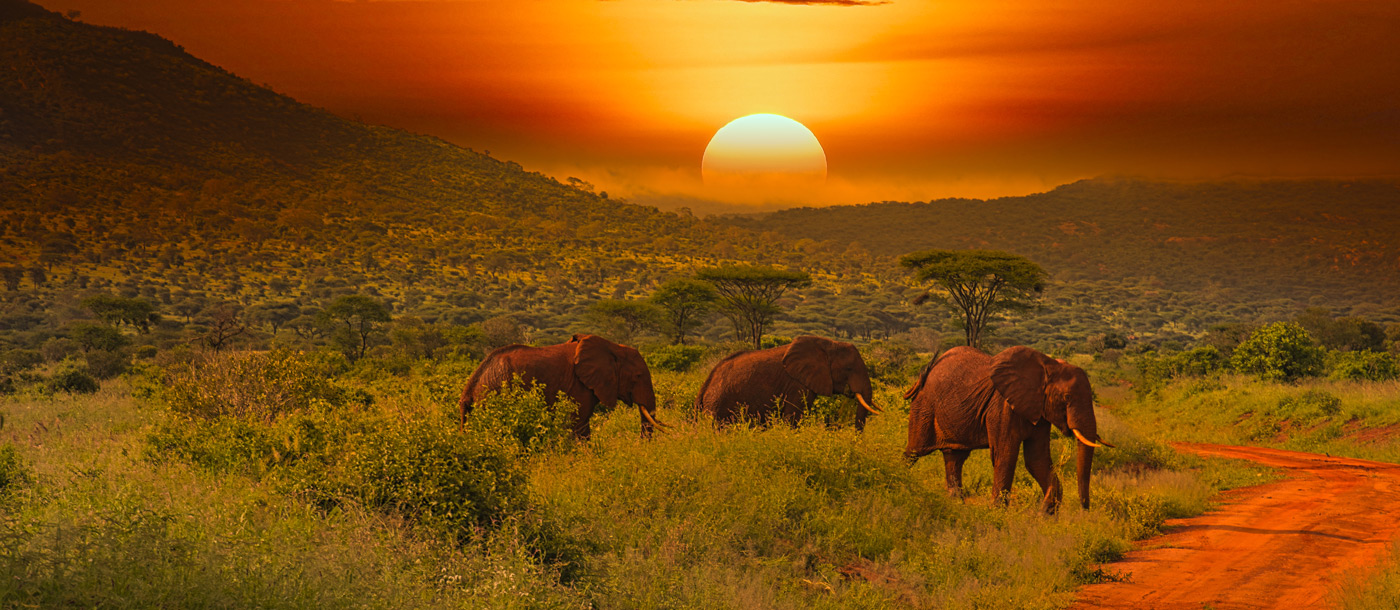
[(287, 480)]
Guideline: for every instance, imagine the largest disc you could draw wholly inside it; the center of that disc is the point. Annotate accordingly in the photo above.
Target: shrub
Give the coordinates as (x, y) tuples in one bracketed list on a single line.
[(1362, 366), (675, 358), (1156, 370), (892, 362), (1281, 351), (106, 364), (261, 386), (519, 414), (426, 469), (72, 379), (16, 360)]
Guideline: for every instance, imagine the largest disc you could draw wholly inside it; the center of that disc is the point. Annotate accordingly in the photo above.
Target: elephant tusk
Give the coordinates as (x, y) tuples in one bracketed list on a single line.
[(861, 400), (652, 419), (1088, 442)]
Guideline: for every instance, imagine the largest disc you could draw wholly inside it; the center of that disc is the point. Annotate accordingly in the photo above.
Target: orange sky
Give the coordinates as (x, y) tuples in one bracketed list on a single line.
[(911, 99)]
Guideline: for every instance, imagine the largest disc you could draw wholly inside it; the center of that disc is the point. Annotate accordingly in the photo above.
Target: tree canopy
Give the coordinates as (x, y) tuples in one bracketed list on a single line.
[(978, 283), (357, 318), (684, 303), (748, 295)]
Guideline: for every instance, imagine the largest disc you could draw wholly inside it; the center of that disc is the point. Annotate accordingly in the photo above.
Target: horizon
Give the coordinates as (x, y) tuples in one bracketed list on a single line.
[(910, 103)]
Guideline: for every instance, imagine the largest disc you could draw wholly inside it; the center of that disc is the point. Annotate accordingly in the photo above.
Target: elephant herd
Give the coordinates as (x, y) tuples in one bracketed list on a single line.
[(964, 399)]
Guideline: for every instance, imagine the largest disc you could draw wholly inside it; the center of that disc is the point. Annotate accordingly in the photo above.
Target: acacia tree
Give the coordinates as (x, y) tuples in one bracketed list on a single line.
[(356, 317), (978, 283), (748, 295), (685, 303), (137, 313)]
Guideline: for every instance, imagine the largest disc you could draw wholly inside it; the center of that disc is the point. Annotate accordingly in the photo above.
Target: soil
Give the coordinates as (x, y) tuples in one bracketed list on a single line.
[(1284, 544)]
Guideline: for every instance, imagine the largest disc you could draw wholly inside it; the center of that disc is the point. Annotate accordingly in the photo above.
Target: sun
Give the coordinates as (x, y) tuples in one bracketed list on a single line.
[(764, 151)]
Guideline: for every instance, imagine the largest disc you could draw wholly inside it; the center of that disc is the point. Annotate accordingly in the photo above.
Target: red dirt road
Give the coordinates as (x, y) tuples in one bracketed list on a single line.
[(1279, 545)]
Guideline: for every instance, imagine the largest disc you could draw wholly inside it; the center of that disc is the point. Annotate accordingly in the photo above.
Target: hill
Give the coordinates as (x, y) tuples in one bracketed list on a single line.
[(1245, 247), (130, 166)]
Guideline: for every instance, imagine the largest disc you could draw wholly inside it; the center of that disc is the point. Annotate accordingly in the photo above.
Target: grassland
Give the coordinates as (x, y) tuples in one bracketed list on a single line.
[(101, 507), (1358, 419)]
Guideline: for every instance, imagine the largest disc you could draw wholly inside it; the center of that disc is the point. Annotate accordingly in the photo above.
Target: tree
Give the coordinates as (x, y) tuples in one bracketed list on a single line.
[(137, 313), (356, 318), (12, 276), (96, 336), (748, 295), (501, 331), (275, 315), (684, 303), (222, 323), (624, 319), (978, 283), (1281, 351)]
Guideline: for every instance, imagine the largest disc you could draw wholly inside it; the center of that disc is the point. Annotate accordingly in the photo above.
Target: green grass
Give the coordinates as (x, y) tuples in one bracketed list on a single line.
[(813, 517), (1350, 418), (1378, 590)]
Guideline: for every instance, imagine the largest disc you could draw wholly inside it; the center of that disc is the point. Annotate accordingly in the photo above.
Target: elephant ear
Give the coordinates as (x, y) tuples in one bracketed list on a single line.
[(596, 366), (806, 361), (1018, 374)]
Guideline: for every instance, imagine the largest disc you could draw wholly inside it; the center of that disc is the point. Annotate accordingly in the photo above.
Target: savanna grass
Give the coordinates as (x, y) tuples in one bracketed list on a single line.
[(101, 526), (1352, 418), (385, 503)]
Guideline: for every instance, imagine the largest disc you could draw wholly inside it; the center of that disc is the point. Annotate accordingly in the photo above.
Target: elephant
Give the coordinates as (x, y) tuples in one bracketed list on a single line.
[(787, 377), (589, 369), (966, 399)]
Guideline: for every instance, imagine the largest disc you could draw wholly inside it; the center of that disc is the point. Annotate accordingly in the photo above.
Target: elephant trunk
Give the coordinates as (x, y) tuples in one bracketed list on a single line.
[(865, 400), (644, 397), (1084, 461)]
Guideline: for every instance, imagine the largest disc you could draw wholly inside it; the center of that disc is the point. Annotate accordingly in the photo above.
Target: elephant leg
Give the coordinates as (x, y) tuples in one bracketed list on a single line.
[(1038, 463), (1003, 472), (583, 427), (952, 470)]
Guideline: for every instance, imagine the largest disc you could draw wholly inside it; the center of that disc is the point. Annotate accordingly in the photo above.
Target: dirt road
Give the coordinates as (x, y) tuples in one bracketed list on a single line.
[(1277, 545)]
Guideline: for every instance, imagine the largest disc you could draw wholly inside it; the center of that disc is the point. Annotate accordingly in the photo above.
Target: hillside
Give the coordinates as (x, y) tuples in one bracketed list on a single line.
[(1310, 242), (129, 166)]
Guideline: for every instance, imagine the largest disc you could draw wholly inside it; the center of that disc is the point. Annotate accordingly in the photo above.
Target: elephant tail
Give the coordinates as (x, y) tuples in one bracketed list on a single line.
[(464, 403), (923, 377)]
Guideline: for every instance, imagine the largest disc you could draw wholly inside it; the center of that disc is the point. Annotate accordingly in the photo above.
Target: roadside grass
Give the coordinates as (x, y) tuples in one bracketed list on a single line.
[(356, 501), (1349, 418), (1379, 590)]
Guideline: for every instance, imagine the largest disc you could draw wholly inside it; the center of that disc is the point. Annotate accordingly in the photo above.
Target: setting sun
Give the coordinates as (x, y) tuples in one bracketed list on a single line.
[(764, 151)]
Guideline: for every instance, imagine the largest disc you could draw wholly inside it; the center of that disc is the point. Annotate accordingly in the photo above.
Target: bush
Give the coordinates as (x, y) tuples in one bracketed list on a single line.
[(1281, 351), (519, 415), (1362, 366), (72, 379), (892, 362), (261, 386), (426, 469), (675, 358), (1156, 370), (106, 364), (16, 360)]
